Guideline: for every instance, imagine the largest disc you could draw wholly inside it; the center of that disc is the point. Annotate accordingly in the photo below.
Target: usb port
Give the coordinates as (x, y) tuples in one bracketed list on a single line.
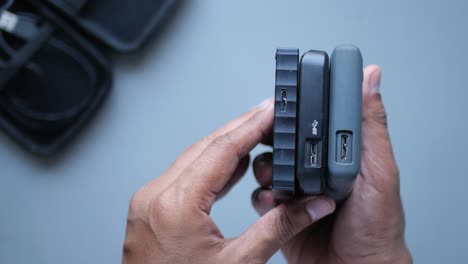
[(344, 147), (284, 100), (313, 153)]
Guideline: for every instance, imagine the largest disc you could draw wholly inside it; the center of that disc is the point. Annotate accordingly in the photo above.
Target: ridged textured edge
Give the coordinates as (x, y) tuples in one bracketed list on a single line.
[(284, 130)]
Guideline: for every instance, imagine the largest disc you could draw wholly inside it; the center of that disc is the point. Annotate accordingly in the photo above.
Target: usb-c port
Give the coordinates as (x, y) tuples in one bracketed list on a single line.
[(284, 100)]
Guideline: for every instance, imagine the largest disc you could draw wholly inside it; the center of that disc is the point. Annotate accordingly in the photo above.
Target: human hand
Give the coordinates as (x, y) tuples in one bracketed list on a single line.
[(369, 226), (169, 219)]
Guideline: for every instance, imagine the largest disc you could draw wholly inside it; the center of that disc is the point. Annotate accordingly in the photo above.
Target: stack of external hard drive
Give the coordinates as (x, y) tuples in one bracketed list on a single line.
[(318, 115)]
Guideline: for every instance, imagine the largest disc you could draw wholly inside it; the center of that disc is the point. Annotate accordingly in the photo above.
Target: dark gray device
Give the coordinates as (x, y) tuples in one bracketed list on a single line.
[(344, 156), (317, 129), (312, 122), (284, 132)]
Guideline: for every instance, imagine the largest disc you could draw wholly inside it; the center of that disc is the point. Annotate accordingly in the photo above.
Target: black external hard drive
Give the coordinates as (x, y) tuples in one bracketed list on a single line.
[(284, 132), (312, 122)]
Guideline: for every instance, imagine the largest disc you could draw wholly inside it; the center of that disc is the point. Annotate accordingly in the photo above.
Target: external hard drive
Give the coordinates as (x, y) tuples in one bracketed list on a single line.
[(312, 122), (344, 156), (284, 131)]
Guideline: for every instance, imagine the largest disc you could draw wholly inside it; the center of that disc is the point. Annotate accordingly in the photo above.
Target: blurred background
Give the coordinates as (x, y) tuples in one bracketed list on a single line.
[(214, 60)]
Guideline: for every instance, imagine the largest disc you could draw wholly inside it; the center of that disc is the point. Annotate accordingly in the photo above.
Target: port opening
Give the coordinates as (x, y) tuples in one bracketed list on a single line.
[(313, 153), (284, 100), (344, 147)]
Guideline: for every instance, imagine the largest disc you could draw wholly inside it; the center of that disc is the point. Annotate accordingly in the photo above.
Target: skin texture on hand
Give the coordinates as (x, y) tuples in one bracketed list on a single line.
[(369, 226), (169, 219)]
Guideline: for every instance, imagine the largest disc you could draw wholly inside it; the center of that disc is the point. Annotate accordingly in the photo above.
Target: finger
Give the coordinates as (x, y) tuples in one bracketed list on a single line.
[(263, 169), (237, 175), (373, 108), (268, 140), (216, 164), (263, 201), (280, 225), (378, 167), (192, 152), (195, 150)]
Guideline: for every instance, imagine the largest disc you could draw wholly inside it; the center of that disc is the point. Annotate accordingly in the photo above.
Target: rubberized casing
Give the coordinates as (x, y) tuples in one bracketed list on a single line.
[(345, 120), (312, 122), (284, 130)]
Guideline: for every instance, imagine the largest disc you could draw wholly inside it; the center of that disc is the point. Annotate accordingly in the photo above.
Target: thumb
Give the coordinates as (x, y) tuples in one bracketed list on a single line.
[(378, 163), (280, 225), (373, 107)]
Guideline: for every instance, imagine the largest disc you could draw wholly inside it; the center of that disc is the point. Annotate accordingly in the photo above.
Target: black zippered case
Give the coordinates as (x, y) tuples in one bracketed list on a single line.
[(54, 74)]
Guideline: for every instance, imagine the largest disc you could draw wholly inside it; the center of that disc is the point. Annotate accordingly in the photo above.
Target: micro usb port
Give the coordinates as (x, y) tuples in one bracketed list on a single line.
[(313, 153), (344, 147)]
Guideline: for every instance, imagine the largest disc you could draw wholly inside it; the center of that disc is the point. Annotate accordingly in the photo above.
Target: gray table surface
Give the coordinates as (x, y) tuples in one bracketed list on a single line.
[(215, 60)]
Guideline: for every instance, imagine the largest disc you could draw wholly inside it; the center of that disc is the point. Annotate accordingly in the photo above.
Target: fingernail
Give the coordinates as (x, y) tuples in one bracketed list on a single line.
[(375, 82), (319, 208), (264, 207), (265, 104), (262, 163), (256, 195), (262, 201), (263, 160)]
